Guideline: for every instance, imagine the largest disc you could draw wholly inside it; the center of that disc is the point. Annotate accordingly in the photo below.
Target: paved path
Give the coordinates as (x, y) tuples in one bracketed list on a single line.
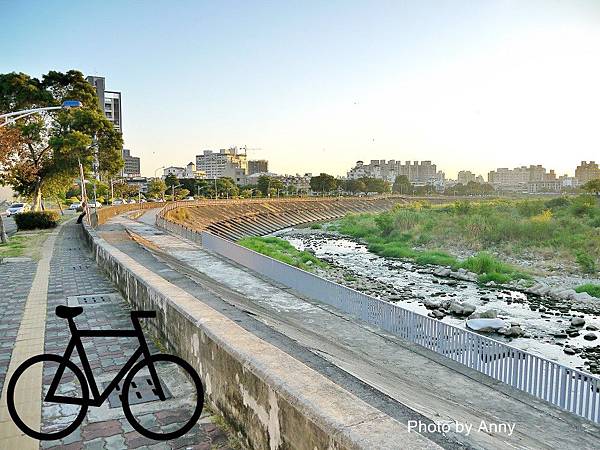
[(434, 389), (69, 274)]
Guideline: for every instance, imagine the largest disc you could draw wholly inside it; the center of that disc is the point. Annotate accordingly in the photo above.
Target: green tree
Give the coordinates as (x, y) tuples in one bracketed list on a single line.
[(266, 184), (402, 185), (227, 187), (156, 188), (50, 145), (376, 185), (592, 186), (323, 183), (171, 180)]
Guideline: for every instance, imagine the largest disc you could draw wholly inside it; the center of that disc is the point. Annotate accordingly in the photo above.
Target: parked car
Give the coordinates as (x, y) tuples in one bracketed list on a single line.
[(75, 206), (190, 199), (17, 208), (117, 201), (95, 205)]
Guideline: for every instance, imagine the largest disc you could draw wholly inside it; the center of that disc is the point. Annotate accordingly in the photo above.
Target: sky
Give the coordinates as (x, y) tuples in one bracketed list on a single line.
[(316, 86)]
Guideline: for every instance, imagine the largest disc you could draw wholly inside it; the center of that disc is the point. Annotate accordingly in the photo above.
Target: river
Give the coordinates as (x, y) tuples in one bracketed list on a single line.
[(408, 285)]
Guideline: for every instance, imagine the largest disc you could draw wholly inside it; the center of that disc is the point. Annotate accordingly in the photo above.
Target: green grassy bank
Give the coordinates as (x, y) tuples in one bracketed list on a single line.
[(282, 250), (566, 228)]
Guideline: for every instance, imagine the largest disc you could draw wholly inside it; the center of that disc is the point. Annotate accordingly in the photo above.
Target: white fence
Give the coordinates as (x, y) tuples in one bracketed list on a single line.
[(567, 388)]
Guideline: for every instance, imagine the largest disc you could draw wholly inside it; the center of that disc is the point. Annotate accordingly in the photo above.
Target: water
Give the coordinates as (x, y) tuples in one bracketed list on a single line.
[(409, 284)]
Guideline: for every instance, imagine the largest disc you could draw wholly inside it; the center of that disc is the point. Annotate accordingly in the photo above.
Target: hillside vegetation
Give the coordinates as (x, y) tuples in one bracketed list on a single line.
[(567, 228)]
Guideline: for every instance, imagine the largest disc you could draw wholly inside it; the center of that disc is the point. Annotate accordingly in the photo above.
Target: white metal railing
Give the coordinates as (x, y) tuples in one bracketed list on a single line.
[(565, 387)]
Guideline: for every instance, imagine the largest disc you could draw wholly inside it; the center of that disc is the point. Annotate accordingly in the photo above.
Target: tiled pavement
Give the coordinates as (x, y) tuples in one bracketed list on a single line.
[(15, 281), (73, 273)]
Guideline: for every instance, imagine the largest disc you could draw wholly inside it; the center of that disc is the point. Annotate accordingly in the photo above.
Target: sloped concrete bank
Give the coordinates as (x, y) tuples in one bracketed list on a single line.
[(272, 400)]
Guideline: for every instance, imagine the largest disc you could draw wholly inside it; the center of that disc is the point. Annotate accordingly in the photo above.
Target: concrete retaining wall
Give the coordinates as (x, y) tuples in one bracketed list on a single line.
[(272, 400)]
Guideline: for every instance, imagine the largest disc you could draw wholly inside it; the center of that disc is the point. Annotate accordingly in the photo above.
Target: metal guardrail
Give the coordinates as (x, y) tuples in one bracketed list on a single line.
[(567, 388)]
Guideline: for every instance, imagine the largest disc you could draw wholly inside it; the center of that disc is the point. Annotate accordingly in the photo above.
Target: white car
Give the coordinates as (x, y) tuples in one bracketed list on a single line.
[(75, 206), (17, 208), (95, 205)]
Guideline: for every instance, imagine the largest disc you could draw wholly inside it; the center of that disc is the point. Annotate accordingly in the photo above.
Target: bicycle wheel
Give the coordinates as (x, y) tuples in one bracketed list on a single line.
[(71, 385), (194, 393)]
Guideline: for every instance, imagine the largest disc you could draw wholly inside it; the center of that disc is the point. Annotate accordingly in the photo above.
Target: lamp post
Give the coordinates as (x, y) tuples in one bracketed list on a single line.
[(12, 117)]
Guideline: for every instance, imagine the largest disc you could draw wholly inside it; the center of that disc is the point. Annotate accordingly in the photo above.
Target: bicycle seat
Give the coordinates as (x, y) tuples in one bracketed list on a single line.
[(68, 312)]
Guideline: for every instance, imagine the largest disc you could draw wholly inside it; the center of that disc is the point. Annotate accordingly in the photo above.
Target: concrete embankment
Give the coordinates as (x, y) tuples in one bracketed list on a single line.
[(239, 218), (271, 399)]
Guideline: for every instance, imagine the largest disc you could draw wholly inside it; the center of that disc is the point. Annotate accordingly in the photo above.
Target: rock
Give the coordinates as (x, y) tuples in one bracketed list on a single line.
[(590, 337), (442, 272), (485, 325), (513, 331), (569, 351), (577, 322), (437, 314), (591, 328), (461, 309), (489, 314), (584, 296)]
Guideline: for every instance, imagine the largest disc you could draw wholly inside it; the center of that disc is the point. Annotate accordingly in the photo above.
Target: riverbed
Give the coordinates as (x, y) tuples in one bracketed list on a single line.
[(410, 286)]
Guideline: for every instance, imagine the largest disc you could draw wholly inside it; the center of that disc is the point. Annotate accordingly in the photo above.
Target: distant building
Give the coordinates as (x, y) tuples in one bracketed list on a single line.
[(544, 186), (423, 172), (131, 167), (141, 183), (258, 166), (179, 172), (465, 177), (518, 179), (226, 163), (587, 171), (109, 101)]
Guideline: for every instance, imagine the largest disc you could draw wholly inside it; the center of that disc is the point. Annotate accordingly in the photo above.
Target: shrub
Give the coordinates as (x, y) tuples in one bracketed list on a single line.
[(586, 262), (592, 289), (557, 202), (33, 220), (316, 226)]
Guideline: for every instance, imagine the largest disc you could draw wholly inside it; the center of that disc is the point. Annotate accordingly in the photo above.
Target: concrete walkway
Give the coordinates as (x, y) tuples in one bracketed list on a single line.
[(65, 274), (437, 390)]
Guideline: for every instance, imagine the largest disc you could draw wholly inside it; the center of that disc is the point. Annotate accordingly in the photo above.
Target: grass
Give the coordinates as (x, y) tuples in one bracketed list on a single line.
[(283, 251), (564, 228), (24, 244), (316, 226), (592, 289)]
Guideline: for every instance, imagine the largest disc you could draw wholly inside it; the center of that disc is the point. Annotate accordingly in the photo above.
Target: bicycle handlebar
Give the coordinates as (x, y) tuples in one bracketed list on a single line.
[(143, 314)]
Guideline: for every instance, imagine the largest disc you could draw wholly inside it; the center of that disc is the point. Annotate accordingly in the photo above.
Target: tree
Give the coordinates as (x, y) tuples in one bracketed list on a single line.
[(376, 185), (266, 183), (156, 188), (592, 186), (402, 185), (323, 183), (49, 146), (227, 187), (171, 180)]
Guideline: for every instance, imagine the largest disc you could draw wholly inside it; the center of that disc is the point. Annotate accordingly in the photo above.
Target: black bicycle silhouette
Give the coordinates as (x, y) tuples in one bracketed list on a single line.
[(129, 370)]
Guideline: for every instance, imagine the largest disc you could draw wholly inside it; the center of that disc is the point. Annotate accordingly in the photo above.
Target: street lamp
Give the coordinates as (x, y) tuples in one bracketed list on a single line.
[(12, 117)]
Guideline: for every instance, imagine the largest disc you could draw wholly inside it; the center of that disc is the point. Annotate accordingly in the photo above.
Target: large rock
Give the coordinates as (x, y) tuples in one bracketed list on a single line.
[(590, 337), (577, 322), (513, 331), (461, 309), (486, 325)]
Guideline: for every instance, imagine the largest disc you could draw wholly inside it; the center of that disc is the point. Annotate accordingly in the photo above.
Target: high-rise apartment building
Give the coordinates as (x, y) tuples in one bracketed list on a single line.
[(131, 167), (258, 166), (587, 171), (226, 163), (109, 101), (423, 172)]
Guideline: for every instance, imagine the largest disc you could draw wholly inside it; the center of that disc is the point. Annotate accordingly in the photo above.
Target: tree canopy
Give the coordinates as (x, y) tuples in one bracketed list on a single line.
[(44, 149), (592, 186), (323, 183)]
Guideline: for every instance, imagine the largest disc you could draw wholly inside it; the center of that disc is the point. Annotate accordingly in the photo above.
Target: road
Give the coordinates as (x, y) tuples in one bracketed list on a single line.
[(422, 382)]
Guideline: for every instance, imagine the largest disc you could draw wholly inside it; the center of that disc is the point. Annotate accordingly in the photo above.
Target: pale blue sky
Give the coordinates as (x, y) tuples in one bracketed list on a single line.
[(317, 85)]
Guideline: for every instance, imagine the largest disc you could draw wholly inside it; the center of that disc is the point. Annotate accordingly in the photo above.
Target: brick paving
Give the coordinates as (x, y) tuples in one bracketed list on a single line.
[(74, 273), (15, 282)]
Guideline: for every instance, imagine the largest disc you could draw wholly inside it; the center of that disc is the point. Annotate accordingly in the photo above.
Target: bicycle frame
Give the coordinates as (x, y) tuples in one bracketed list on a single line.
[(98, 398)]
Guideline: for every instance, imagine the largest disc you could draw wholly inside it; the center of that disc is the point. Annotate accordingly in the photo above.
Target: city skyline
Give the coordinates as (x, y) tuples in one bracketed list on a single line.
[(471, 87)]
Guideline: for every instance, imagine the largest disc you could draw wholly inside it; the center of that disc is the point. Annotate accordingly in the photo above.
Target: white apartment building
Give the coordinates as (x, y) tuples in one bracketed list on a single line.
[(423, 172), (226, 163)]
